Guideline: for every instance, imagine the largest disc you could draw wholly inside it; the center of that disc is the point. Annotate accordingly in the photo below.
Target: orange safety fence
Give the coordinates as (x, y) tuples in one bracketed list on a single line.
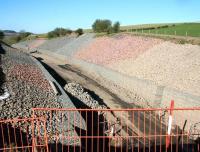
[(102, 130), (23, 135)]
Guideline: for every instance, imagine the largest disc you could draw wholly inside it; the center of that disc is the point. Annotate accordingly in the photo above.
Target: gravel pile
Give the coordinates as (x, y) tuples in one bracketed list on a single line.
[(23, 44), (78, 91), (36, 43), (106, 50), (56, 43), (168, 64), (67, 45), (71, 48), (30, 44)]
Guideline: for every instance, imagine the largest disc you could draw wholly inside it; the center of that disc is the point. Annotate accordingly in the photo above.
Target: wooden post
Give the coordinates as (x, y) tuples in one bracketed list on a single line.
[(174, 32), (186, 34)]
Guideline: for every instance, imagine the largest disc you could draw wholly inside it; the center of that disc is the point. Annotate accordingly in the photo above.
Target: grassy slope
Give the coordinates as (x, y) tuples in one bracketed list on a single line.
[(145, 26), (192, 29)]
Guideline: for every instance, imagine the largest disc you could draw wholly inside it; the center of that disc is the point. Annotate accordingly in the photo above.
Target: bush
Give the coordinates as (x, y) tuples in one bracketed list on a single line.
[(1, 35), (79, 31), (24, 34), (51, 35), (101, 25), (58, 32)]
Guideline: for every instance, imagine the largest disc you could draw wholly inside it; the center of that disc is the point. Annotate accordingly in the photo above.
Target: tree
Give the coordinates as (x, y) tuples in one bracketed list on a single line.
[(116, 27), (1, 35), (101, 25), (79, 31)]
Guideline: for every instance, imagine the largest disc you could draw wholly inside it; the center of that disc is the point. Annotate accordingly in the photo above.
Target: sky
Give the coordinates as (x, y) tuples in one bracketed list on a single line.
[(41, 16)]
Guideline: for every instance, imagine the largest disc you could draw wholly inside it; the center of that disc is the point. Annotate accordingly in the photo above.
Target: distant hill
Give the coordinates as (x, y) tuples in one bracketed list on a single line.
[(9, 31)]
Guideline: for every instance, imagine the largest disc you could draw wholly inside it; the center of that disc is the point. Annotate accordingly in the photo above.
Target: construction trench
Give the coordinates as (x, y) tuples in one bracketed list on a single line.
[(105, 121), (119, 130)]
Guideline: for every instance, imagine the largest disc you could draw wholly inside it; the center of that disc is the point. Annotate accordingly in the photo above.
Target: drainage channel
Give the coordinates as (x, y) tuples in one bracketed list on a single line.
[(129, 126)]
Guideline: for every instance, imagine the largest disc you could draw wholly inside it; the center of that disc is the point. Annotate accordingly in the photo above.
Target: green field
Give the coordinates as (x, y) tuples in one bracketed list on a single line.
[(180, 29), (144, 26)]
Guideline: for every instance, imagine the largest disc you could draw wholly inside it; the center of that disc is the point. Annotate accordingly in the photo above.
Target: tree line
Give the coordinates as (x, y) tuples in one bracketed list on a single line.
[(100, 25), (59, 32)]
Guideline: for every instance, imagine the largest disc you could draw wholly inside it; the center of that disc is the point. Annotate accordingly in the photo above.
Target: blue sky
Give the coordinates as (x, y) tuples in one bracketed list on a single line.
[(41, 16)]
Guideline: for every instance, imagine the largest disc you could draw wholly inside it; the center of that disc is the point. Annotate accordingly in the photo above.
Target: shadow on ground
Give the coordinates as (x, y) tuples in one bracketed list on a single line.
[(2, 75)]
